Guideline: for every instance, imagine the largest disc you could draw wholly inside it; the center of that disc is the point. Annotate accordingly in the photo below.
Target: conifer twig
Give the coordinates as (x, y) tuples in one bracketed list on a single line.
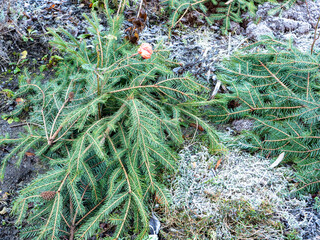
[(52, 137), (149, 86), (274, 76), (56, 140), (122, 166)]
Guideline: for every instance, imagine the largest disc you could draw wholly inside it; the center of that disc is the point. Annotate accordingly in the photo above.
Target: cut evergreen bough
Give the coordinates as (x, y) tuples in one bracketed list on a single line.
[(109, 125), (277, 86)]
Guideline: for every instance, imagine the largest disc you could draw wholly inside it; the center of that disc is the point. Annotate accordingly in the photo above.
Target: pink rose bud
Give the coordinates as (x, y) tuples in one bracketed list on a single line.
[(145, 50)]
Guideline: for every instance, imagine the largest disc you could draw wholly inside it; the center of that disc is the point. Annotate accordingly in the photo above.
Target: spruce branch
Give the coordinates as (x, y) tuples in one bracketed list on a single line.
[(107, 126), (281, 98)]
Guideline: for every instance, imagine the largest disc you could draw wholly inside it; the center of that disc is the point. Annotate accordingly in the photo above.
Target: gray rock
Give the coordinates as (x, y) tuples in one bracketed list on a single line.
[(235, 27), (255, 32), (288, 24), (304, 28), (154, 225), (297, 22), (242, 124)]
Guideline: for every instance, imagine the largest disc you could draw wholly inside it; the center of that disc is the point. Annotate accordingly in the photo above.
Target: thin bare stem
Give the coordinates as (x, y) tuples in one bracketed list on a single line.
[(140, 6), (55, 119), (315, 38)]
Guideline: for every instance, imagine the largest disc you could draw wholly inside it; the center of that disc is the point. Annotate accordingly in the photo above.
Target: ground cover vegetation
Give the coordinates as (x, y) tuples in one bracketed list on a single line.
[(276, 85), (212, 11), (230, 204), (107, 125)]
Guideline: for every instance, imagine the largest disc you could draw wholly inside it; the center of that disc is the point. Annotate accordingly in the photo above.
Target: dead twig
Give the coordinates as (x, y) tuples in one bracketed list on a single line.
[(315, 38)]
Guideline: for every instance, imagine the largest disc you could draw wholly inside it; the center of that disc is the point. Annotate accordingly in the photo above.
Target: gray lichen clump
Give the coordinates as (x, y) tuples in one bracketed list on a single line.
[(243, 196)]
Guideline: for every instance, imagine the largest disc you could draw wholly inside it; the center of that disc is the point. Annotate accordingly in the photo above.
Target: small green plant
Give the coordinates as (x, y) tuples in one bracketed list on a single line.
[(22, 59), (107, 126), (10, 119), (28, 37), (243, 219), (7, 92), (53, 61), (187, 226), (293, 235), (238, 216)]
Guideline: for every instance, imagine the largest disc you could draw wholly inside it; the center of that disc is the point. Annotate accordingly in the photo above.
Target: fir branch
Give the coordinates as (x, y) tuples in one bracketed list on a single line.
[(107, 125)]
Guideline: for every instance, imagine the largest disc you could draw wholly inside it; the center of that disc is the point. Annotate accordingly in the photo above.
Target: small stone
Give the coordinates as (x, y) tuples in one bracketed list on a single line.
[(194, 165), (177, 70), (242, 124), (303, 28)]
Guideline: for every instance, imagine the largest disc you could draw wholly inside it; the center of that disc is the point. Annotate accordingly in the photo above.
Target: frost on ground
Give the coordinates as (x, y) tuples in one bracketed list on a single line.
[(198, 50), (297, 23), (243, 181)]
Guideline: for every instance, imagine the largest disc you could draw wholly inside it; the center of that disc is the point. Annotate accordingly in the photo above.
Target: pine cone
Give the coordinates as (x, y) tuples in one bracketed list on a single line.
[(48, 195), (71, 96)]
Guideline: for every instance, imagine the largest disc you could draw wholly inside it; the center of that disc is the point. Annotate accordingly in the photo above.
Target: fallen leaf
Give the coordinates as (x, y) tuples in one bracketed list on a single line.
[(143, 15), (218, 163), (23, 54), (52, 6), (4, 211), (138, 24), (25, 14), (29, 154), (200, 128), (5, 196), (132, 35), (279, 159), (197, 126)]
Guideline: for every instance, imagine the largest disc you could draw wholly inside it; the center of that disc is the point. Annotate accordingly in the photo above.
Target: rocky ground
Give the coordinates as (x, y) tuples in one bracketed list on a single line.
[(22, 28)]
